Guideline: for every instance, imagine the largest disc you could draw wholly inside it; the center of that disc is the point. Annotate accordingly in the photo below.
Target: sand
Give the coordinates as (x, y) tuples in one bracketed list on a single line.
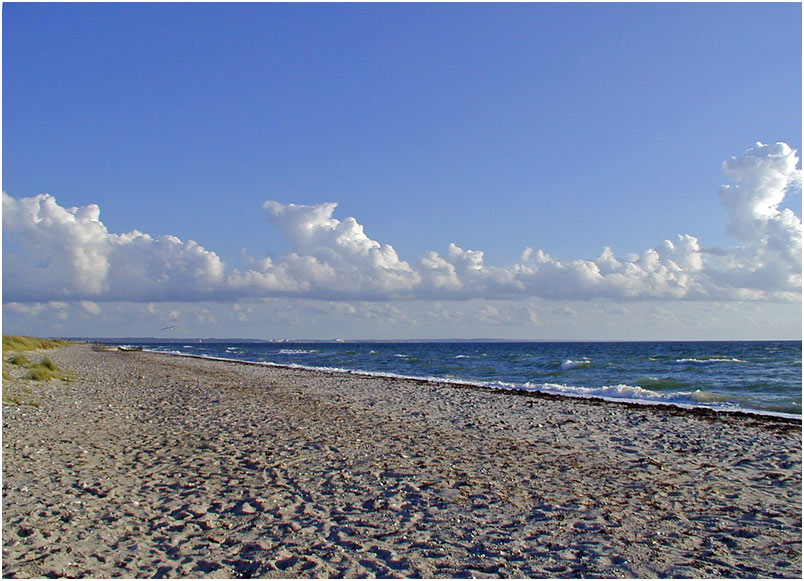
[(150, 465)]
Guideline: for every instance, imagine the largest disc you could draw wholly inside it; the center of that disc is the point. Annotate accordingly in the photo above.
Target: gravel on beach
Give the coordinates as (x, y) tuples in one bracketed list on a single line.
[(149, 465)]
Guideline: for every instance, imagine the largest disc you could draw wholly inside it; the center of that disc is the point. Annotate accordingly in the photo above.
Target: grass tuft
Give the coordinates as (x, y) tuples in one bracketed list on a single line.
[(48, 364), (17, 399), (19, 360), (41, 374), (45, 370)]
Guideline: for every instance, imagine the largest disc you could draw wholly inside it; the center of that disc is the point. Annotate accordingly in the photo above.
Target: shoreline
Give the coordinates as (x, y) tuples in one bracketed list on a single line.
[(702, 410), (147, 465)]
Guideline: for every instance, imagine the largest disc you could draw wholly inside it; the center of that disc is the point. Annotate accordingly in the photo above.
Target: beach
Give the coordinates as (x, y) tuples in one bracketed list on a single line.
[(151, 465)]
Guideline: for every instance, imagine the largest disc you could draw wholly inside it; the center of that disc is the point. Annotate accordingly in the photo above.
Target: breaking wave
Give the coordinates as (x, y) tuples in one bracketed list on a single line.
[(570, 364)]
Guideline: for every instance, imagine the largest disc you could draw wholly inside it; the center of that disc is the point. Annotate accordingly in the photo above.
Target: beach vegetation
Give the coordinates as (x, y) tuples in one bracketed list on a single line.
[(42, 370), (26, 397), (45, 370), (40, 374), (23, 343), (48, 364), (19, 359)]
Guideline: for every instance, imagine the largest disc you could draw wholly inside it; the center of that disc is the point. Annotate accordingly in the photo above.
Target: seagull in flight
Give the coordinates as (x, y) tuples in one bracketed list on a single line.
[(170, 328)]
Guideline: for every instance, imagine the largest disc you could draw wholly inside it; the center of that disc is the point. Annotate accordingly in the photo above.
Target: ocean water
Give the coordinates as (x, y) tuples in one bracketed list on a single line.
[(754, 376)]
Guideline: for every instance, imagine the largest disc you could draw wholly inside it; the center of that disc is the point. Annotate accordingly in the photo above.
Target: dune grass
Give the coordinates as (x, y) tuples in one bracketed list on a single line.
[(19, 359), (44, 370), (27, 397), (22, 343), (41, 373)]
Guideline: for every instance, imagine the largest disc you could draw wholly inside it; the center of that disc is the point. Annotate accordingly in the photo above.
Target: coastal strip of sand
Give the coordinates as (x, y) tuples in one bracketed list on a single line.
[(151, 465)]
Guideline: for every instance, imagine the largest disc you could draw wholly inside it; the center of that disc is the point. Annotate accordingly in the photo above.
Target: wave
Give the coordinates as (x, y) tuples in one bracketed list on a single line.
[(705, 360), (570, 364), (167, 351), (297, 351), (660, 383), (411, 358), (712, 397), (683, 399), (621, 391)]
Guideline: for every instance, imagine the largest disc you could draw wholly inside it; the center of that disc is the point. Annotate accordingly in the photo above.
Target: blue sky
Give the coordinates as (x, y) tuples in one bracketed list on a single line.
[(561, 128)]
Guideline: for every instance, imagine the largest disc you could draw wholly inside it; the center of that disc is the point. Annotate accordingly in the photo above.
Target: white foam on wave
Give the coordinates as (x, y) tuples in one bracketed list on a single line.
[(706, 360), (619, 392), (168, 351), (570, 364), (297, 351), (307, 367), (638, 395)]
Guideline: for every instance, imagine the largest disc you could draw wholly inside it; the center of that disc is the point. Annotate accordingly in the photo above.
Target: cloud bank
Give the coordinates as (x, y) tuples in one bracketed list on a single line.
[(69, 255)]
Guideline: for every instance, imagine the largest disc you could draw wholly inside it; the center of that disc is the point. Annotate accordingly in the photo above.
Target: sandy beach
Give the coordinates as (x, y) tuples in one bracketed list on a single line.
[(150, 465)]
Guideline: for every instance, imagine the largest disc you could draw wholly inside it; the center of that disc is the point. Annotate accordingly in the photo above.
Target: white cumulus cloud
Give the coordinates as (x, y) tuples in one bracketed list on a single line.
[(763, 175), (68, 254), (330, 259)]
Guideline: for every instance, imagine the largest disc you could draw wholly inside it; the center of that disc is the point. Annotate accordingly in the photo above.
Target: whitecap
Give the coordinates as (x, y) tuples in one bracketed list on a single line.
[(616, 392), (706, 360), (297, 351), (570, 364)]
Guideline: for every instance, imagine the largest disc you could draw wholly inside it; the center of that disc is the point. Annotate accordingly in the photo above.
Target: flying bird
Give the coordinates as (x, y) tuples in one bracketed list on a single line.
[(171, 327)]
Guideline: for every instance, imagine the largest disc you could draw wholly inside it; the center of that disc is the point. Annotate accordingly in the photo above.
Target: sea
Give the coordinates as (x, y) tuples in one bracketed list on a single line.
[(763, 377)]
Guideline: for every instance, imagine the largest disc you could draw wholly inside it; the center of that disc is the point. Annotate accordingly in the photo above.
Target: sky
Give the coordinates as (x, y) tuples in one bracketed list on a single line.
[(525, 171)]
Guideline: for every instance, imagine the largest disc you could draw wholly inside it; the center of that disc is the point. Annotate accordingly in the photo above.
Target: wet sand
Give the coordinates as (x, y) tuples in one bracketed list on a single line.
[(150, 465)]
